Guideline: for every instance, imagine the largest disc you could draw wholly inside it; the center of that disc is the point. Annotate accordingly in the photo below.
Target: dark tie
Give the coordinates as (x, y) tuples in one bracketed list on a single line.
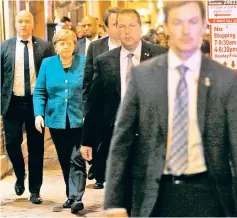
[(26, 69), (129, 66), (178, 161)]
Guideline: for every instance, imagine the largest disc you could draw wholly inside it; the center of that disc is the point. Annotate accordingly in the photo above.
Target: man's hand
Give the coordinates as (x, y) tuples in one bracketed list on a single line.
[(39, 123), (86, 152)]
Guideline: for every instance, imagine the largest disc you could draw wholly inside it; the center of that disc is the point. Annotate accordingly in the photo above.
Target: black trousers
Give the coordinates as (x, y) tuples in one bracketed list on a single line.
[(21, 112), (67, 142), (190, 196), (100, 155)]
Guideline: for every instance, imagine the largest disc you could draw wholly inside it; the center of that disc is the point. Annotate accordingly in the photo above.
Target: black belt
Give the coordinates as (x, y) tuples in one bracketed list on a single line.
[(185, 177)]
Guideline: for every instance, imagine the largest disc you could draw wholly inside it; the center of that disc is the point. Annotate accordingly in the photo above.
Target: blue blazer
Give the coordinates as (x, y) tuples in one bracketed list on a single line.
[(58, 94)]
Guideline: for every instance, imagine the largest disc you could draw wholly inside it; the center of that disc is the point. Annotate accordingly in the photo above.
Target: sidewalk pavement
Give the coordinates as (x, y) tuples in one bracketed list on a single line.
[(52, 193)]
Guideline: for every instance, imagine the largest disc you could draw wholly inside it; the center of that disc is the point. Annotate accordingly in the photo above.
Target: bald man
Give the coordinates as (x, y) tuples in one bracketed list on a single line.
[(90, 31), (21, 58)]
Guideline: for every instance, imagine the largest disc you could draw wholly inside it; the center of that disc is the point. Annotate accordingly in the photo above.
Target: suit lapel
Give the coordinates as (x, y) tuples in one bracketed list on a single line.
[(105, 44), (162, 86), (116, 61), (82, 49), (59, 66), (145, 53), (204, 83), (36, 53), (12, 54)]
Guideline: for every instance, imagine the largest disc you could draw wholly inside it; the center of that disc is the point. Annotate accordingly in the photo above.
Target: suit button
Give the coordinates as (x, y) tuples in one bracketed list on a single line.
[(163, 157), (176, 182), (66, 81), (66, 100), (65, 90)]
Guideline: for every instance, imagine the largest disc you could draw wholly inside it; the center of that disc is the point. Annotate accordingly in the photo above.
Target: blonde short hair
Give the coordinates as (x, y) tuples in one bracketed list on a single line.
[(64, 34)]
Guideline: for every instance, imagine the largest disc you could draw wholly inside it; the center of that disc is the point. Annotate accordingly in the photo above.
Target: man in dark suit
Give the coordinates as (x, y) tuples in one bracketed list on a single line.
[(184, 107), (96, 48), (109, 85), (21, 58), (90, 31)]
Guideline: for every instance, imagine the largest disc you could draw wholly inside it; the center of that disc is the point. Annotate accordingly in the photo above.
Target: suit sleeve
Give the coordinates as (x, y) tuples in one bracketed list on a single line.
[(77, 48), (95, 104), (87, 80), (2, 65), (118, 172), (40, 93), (232, 129), (49, 50)]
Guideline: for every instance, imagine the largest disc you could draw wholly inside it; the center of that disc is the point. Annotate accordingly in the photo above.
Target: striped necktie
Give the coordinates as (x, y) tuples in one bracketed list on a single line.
[(129, 66), (178, 161)]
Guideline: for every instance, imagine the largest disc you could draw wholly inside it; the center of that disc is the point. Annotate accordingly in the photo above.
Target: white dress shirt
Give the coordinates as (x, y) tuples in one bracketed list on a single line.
[(111, 45), (196, 161), (19, 81), (124, 62), (88, 43)]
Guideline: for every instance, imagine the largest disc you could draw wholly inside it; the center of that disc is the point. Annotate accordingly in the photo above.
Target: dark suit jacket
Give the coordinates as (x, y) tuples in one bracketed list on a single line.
[(95, 48), (146, 104), (81, 46), (105, 94), (41, 49)]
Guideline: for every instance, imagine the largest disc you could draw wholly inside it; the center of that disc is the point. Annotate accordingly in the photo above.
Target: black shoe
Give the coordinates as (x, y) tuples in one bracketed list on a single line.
[(77, 206), (20, 186), (68, 203), (98, 185), (35, 198), (90, 173)]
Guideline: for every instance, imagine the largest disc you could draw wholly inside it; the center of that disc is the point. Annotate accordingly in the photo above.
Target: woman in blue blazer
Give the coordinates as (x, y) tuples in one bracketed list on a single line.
[(58, 103)]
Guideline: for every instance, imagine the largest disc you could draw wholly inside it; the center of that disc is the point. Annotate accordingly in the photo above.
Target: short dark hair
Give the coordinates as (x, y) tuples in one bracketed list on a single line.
[(107, 13), (64, 19), (152, 32), (168, 5), (130, 11), (205, 48), (101, 25)]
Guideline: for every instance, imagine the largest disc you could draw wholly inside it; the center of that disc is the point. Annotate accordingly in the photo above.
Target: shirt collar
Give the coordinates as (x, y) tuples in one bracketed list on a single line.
[(111, 45), (29, 39), (89, 41), (137, 52), (193, 63)]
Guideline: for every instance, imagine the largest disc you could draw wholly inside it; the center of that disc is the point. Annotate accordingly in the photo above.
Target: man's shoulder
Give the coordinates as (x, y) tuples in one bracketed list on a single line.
[(154, 47), (40, 41), (110, 54), (148, 65), (7, 42), (218, 69), (99, 42)]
